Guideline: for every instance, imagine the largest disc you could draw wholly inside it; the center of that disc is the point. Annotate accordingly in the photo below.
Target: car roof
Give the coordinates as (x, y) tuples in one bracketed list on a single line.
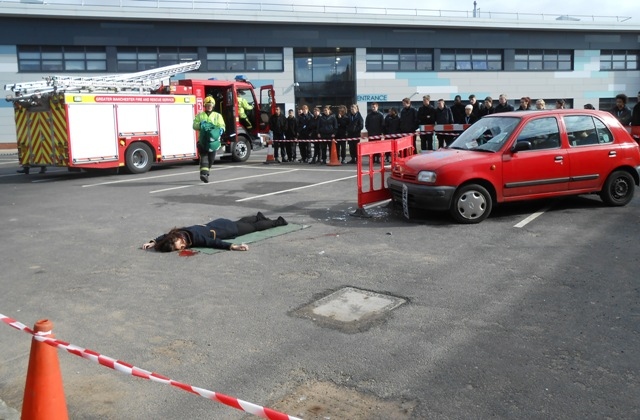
[(534, 113)]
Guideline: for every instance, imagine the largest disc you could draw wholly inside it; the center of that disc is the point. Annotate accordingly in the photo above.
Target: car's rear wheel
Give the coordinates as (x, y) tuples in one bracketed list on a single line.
[(618, 189), (471, 204)]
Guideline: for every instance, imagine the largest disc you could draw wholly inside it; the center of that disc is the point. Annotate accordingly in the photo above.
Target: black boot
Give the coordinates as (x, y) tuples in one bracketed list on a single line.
[(281, 222), (204, 177), (24, 170)]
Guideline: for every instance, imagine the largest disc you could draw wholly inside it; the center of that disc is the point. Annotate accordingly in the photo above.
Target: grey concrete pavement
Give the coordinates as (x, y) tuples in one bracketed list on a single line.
[(498, 321)]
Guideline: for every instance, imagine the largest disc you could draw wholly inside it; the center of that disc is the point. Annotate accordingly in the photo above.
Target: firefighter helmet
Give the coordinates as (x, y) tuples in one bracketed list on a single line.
[(210, 100)]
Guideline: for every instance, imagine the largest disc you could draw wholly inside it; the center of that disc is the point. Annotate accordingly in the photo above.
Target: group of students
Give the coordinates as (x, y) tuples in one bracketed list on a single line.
[(323, 125), (313, 132), (410, 119)]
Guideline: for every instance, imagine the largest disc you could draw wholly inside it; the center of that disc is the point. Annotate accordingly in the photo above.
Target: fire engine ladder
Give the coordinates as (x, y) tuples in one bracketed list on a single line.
[(142, 82)]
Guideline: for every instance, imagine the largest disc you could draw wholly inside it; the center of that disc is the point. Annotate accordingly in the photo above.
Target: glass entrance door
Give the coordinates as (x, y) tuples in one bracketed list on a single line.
[(324, 78)]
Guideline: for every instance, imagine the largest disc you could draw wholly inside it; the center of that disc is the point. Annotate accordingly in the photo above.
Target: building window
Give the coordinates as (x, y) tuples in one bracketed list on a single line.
[(399, 59), (467, 60), (61, 59), (607, 104), (540, 60), (619, 60), (245, 59), (132, 59)]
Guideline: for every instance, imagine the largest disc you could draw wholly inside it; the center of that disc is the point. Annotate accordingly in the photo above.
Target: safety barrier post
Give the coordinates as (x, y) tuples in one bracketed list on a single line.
[(450, 130), (376, 176)]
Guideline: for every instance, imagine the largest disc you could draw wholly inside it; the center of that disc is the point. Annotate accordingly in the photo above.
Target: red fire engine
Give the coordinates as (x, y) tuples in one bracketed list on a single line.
[(131, 120)]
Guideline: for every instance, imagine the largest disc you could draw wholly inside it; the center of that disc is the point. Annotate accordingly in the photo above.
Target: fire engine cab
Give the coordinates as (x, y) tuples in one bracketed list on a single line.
[(132, 120)]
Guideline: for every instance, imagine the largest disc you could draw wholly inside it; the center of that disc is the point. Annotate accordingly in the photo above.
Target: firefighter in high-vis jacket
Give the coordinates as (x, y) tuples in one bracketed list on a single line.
[(244, 106), (210, 126)]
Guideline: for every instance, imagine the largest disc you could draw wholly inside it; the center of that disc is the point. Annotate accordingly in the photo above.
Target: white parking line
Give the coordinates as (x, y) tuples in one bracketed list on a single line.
[(302, 167), (148, 177), (36, 173), (532, 217), (295, 189), (221, 181), (12, 162)]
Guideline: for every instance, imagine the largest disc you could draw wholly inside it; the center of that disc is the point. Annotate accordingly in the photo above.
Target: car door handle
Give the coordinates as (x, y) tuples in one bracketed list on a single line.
[(558, 159), (613, 153)]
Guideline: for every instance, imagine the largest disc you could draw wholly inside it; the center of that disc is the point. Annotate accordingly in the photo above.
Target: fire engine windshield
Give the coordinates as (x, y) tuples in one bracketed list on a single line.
[(488, 135)]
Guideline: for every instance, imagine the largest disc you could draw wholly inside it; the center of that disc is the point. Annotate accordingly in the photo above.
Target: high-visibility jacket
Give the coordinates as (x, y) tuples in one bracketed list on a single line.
[(243, 106), (214, 118)]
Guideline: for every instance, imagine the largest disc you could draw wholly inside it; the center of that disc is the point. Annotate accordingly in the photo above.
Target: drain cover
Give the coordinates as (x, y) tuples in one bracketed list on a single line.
[(350, 309)]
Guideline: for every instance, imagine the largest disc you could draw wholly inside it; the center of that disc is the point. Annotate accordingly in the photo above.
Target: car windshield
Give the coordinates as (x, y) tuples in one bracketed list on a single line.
[(488, 134)]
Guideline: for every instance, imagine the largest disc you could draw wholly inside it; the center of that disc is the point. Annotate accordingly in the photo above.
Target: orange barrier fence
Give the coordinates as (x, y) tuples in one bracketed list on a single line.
[(372, 178), (372, 174), (402, 148)]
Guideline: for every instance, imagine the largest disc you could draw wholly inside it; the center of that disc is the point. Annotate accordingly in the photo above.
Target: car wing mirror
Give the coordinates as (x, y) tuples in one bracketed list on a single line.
[(520, 146)]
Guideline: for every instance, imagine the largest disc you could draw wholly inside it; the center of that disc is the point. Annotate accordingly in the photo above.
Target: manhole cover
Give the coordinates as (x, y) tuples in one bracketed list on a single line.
[(350, 309), (325, 400)]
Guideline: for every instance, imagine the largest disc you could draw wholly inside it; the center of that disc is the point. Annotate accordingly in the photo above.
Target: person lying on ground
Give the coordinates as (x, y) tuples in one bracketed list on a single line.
[(211, 235)]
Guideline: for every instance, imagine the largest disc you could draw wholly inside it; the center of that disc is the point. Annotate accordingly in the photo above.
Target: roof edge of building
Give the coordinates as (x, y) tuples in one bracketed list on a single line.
[(327, 18)]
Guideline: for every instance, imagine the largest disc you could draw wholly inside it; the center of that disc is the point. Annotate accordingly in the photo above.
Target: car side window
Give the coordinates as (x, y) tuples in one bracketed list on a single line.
[(581, 130), (604, 135), (542, 133)]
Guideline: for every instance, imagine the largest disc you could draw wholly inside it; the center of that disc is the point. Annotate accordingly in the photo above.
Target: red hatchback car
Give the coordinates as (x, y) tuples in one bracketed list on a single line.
[(521, 156)]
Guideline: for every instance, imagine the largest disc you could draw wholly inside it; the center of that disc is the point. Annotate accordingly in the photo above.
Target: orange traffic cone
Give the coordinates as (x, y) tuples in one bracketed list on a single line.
[(270, 158), (333, 159), (43, 392)]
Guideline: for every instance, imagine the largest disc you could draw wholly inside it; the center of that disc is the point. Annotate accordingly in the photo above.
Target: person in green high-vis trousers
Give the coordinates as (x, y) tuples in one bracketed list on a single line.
[(210, 126)]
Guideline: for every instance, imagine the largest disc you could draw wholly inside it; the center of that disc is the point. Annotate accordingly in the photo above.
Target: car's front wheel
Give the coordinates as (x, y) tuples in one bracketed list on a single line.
[(471, 204), (618, 189)]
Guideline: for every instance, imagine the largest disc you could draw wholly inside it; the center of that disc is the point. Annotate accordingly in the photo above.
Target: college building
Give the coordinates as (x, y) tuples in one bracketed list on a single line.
[(322, 55)]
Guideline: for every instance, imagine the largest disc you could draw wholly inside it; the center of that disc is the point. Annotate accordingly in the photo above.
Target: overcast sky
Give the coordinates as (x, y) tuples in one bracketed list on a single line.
[(567, 7)]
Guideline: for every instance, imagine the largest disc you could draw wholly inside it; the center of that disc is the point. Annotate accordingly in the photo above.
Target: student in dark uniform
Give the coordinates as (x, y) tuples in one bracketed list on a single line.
[(343, 123), (354, 130), (313, 132), (211, 235), (327, 128), (392, 122), (469, 118), (426, 116), (304, 133), (278, 125), (291, 134)]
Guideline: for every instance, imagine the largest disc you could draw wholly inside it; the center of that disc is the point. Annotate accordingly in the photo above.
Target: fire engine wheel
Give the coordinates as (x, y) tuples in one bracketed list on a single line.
[(138, 158), (241, 150)]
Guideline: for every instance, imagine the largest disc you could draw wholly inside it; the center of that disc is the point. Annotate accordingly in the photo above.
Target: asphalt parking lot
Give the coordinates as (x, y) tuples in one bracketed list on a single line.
[(534, 313)]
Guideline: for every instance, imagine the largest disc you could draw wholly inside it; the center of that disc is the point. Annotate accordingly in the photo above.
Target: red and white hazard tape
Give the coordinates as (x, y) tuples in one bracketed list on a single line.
[(441, 130), (128, 369)]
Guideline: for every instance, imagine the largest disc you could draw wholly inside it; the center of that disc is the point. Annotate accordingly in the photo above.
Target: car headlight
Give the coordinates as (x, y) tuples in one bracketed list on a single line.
[(427, 176)]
